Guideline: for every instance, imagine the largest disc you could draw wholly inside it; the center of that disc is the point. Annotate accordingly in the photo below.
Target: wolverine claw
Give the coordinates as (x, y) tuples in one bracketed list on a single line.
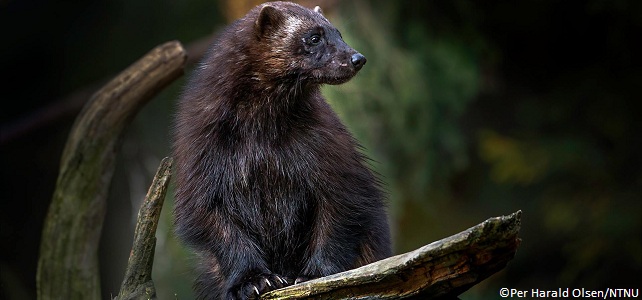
[(254, 286), (282, 281)]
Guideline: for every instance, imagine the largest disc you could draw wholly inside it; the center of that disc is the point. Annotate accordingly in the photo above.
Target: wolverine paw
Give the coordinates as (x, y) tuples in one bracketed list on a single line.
[(256, 285)]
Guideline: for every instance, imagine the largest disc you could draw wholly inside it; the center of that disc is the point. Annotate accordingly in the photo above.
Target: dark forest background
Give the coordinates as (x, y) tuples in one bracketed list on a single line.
[(470, 110)]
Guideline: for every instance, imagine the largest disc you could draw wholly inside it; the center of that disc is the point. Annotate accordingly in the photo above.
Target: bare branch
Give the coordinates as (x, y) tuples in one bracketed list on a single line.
[(445, 268), (138, 276)]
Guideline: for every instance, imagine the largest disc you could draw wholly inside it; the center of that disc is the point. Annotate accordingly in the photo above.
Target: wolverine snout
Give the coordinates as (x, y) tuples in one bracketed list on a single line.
[(358, 60)]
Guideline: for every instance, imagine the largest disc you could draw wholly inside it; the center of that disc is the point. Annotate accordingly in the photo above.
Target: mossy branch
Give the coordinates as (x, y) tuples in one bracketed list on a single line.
[(68, 262), (443, 269)]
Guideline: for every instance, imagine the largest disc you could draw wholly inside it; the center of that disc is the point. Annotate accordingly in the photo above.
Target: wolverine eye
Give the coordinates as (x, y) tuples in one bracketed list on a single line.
[(314, 39)]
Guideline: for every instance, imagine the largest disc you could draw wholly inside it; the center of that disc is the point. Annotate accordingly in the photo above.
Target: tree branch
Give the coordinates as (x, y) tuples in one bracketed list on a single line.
[(68, 263), (137, 283), (445, 268)]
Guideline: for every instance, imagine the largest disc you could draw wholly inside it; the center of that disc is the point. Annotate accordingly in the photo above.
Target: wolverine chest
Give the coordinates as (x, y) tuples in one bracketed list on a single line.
[(270, 187)]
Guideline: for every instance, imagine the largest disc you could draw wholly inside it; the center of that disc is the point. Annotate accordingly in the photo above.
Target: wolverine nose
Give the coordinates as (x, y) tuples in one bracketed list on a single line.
[(358, 60)]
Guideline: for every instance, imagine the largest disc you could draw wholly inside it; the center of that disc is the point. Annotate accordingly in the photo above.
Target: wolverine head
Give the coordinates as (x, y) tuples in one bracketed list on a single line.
[(300, 44)]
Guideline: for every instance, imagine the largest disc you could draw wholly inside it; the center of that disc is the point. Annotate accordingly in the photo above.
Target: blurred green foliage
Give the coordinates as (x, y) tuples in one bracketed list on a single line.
[(405, 104), (461, 129)]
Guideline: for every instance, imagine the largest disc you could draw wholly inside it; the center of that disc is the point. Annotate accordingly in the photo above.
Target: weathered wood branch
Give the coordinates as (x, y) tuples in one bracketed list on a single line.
[(68, 262), (443, 269), (137, 283)]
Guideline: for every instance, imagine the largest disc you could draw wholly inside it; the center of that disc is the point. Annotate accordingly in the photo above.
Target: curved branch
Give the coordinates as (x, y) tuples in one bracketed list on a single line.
[(68, 263)]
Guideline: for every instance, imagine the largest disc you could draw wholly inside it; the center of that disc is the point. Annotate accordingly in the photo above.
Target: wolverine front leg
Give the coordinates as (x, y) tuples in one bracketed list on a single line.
[(248, 276), (247, 272), (234, 265), (333, 247), (346, 234)]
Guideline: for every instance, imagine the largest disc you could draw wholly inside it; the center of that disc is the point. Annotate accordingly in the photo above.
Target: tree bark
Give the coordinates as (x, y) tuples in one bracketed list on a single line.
[(443, 269), (68, 263)]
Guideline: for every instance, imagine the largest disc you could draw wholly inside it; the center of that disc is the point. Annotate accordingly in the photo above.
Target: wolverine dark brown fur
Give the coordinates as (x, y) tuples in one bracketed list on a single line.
[(271, 189)]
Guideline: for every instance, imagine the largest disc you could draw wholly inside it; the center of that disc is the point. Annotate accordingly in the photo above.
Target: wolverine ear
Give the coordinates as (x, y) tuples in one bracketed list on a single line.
[(270, 18), (317, 9)]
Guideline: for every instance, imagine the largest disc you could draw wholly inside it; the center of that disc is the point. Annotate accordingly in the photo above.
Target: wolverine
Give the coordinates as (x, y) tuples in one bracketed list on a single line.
[(271, 188)]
